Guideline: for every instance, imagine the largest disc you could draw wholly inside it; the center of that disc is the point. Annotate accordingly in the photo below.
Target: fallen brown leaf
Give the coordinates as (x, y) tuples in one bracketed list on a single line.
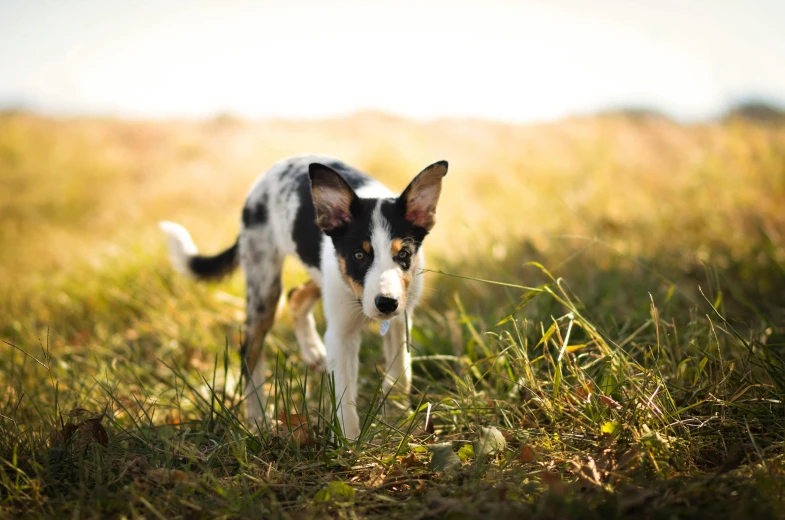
[(411, 461), (610, 403), (376, 477), (527, 454), (294, 427), (94, 431), (62, 436), (89, 430), (396, 471)]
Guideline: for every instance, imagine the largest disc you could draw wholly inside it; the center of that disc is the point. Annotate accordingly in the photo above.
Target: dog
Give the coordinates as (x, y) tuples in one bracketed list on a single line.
[(362, 247)]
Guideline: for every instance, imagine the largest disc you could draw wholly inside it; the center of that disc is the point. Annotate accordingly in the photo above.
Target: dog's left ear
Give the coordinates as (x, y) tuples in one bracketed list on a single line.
[(420, 197)]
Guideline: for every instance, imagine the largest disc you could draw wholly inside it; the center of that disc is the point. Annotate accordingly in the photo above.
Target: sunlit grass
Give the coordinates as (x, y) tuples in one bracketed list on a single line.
[(605, 293)]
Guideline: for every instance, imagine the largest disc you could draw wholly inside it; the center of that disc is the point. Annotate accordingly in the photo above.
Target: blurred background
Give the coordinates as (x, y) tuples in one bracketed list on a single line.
[(634, 148), (521, 61)]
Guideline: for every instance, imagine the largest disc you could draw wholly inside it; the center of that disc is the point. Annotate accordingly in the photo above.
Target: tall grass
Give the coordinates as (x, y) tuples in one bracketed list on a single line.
[(602, 333)]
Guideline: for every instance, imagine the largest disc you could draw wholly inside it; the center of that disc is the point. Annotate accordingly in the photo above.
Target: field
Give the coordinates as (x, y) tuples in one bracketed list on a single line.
[(603, 333)]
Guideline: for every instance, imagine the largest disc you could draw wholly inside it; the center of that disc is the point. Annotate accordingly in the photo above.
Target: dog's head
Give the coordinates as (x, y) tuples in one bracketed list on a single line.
[(377, 241)]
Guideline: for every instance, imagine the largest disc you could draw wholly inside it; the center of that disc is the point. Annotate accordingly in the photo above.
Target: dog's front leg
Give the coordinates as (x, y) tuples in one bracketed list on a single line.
[(342, 340)]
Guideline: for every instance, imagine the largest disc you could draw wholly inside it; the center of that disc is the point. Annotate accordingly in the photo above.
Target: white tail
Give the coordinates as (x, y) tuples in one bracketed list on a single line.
[(181, 246)]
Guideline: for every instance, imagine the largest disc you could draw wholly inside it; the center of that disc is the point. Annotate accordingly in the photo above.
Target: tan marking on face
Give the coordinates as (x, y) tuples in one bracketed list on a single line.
[(356, 288), (367, 246), (303, 297), (396, 246)]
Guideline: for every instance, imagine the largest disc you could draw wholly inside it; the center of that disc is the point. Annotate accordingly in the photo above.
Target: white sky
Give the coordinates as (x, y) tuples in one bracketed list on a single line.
[(518, 61)]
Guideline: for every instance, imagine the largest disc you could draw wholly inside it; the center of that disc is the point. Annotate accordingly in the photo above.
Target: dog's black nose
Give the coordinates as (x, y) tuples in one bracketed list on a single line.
[(385, 304)]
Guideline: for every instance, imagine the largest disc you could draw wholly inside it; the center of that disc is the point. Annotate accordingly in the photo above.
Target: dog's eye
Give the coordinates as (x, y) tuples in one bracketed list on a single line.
[(359, 255), (403, 254)]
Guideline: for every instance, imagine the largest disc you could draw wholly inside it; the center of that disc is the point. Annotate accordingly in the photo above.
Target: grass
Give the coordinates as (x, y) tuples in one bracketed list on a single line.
[(602, 335)]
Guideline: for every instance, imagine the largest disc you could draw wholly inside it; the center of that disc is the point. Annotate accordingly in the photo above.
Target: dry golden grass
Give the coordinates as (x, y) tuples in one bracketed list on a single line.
[(88, 190), (653, 361)]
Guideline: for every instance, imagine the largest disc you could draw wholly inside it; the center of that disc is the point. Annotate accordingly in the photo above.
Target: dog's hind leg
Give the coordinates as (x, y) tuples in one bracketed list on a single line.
[(262, 266), (398, 373), (301, 302)]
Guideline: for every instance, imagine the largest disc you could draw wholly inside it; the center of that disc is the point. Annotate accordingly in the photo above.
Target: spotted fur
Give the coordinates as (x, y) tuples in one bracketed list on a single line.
[(360, 244)]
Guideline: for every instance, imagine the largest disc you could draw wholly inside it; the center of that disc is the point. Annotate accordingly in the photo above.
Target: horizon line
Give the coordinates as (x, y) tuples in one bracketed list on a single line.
[(629, 109)]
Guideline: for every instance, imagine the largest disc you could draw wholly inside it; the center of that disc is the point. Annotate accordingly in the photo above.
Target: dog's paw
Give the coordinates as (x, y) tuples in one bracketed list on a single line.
[(314, 356), (317, 365)]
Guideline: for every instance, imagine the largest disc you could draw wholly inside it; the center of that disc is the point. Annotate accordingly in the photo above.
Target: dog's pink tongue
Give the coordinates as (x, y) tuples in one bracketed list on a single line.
[(384, 327)]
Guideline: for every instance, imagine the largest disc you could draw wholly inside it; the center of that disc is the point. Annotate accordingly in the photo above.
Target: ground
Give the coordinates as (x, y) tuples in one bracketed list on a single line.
[(602, 333)]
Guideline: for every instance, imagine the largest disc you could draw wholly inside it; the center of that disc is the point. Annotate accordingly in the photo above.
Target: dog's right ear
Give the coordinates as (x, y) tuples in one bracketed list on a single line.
[(420, 197), (332, 197)]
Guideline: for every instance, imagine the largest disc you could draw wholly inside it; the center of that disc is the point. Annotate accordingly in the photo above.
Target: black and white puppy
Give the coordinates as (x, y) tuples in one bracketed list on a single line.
[(360, 244)]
